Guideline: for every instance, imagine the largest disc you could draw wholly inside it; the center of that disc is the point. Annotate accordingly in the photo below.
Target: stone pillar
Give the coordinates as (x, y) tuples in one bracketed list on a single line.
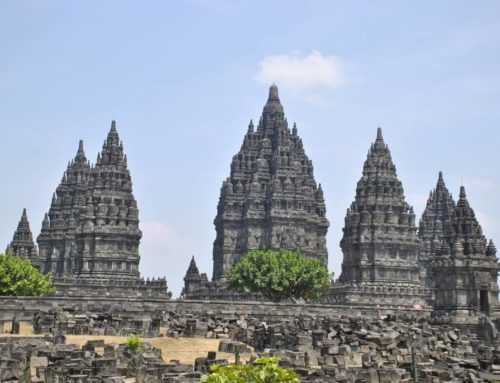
[(190, 331), (15, 326)]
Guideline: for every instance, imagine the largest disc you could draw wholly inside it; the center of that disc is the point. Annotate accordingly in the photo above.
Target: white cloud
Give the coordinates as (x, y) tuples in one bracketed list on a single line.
[(301, 72)]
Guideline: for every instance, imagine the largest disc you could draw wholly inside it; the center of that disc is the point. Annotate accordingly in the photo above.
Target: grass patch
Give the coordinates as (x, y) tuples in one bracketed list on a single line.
[(186, 350)]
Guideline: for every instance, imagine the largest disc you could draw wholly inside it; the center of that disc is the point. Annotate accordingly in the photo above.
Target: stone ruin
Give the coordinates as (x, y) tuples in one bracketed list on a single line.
[(97, 323), (271, 200), (336, 348), (90, 236), (45, 360), (90, 242)]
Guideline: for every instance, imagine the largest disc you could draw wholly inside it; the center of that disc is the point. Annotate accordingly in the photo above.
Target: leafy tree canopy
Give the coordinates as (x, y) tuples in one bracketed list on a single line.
[(19, 277), (262, 370), (279, 275)]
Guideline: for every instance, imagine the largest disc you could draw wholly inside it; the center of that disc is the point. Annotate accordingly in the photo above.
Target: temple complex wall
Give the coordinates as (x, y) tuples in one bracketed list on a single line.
[(25, 307)]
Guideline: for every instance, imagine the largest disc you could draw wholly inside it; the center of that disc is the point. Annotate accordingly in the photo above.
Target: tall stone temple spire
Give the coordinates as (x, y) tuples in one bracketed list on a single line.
[(466, 268), (90, 236), (109, 236), (380, 242), (435, 226), (92, 225), (270, 198), (22, 244), (57, 241)]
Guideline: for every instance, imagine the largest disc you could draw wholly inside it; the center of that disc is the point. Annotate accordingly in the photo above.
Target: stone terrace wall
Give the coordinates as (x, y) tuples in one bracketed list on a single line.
[(25, 307)]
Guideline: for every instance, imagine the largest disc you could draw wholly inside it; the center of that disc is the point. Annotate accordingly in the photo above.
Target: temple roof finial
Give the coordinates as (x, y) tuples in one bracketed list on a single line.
[(462, 192), (440, 182), (80, 154), (273, 104), (273, 92), (379, 133)]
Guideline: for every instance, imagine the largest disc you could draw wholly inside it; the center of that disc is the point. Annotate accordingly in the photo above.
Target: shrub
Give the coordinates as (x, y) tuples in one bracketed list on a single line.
[(262, 370), (133, 343)]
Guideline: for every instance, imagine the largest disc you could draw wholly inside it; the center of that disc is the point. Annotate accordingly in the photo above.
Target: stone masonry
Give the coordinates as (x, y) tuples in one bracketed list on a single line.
[(22, 244), (435, 226), (90, 237), (465, 269), (380, 242), (270, 198)]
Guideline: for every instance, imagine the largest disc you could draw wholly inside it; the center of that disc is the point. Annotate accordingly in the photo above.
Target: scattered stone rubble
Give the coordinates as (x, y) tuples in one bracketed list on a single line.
[(352, 349), (48, 360), (333, 349), (102, 323)]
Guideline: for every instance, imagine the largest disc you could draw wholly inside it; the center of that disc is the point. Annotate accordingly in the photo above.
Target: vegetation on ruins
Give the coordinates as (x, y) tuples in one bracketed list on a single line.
[(279, 275), (19, 277), (262, 370), (133, 343)]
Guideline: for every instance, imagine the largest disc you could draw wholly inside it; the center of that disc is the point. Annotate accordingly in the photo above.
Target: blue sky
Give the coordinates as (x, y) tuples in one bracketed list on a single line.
[(183, 79)]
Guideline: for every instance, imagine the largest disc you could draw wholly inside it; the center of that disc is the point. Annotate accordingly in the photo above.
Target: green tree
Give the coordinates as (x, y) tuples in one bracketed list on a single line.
[(279, 275), (262, 370), (19, 277)]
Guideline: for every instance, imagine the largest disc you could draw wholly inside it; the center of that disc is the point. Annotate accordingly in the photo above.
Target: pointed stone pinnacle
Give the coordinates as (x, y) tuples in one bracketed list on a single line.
[(379, 133), (273, 93), (462, 192), (273, 105), (80, 154)]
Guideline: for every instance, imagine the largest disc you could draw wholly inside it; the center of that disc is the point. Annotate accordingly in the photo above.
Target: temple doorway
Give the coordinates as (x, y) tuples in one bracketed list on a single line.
[(483, 301)]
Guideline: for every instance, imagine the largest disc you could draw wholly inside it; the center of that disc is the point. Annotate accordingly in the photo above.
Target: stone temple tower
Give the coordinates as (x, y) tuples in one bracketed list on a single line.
[(465, 267), (380, 243), (435, 226), (108, 236), (90, 237), (57, 240), (92, 229), (22, 244), (270, 198)]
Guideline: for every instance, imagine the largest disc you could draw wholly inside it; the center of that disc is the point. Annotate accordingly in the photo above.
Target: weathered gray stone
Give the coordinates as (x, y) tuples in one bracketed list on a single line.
[(380, 242), (90, 237), (22, 244), (271, 198)]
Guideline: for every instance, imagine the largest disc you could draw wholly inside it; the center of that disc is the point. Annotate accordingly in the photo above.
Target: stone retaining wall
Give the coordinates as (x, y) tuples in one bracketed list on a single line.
[(25, 307)]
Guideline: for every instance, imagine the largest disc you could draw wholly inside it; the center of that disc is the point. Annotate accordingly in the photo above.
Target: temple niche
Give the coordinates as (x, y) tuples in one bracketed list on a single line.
[(465, 268), (22, 244), (380, 243), (271, 198)]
